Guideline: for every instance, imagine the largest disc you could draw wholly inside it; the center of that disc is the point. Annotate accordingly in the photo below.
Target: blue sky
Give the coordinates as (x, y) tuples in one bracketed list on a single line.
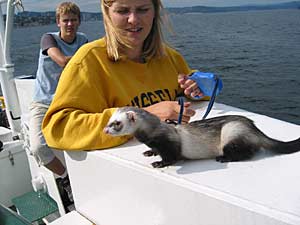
[(93, 5)]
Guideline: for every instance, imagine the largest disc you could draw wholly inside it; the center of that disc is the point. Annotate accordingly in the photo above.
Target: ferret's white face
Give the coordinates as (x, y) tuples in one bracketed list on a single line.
[(121, 123)]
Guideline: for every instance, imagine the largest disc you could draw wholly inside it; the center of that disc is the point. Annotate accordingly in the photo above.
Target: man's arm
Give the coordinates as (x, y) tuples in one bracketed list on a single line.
[(57, 56), (50, 48)]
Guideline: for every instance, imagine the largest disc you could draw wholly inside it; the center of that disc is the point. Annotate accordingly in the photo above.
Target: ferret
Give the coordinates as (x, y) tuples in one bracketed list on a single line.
[(226, 138)]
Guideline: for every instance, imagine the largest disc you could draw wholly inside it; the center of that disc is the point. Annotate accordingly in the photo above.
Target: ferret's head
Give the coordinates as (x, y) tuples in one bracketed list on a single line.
[(123, 122)]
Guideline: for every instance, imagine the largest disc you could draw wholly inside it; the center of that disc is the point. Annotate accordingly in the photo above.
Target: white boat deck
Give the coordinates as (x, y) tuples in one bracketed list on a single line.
[(72, 218), (119, 186)]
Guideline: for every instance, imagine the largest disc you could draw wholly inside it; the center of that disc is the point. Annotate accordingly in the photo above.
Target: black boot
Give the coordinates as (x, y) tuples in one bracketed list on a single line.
[(65, 191)]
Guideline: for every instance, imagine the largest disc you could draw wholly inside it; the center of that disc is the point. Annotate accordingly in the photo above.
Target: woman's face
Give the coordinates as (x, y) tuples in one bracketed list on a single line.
[(133, 18)]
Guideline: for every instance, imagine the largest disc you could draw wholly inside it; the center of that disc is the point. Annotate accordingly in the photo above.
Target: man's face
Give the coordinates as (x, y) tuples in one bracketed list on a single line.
[(68, 24)]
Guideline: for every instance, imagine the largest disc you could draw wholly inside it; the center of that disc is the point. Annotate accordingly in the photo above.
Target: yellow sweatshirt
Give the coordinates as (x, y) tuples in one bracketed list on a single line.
[(91, 87)]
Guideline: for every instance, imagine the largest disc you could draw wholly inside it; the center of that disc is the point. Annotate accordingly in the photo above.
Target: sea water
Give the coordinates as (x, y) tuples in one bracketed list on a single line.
[(256, 53)]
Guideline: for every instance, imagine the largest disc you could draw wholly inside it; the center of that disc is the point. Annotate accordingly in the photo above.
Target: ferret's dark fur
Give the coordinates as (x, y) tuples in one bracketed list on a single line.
[(226, 138)]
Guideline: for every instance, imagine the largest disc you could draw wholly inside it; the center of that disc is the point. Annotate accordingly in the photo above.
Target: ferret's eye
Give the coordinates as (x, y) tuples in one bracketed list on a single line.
[(118, 126)]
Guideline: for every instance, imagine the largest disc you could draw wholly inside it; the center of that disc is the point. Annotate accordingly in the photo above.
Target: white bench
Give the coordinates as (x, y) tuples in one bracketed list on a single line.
[(119, 187)]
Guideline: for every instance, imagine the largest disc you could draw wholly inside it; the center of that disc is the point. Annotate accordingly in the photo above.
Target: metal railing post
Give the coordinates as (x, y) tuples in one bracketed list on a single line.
[(8, 86)]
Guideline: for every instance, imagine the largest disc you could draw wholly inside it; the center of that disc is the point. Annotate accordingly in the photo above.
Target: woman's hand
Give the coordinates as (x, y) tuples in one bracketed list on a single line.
[(190, 87), (170, 110)]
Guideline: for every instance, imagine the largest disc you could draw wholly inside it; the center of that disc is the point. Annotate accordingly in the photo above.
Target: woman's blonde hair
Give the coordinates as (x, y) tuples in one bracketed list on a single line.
[(153, 45), (66, 8)]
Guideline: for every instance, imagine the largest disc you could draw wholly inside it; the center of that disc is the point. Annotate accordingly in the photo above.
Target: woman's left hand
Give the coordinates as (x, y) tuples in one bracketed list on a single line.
[(189, 86), (170, 110)]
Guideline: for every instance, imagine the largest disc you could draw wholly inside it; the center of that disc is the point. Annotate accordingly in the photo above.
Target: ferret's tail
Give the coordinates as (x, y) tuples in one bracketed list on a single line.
[(283, 147)]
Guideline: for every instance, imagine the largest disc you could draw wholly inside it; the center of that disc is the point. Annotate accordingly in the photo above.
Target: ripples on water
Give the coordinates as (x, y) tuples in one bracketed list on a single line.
[(257, 54)]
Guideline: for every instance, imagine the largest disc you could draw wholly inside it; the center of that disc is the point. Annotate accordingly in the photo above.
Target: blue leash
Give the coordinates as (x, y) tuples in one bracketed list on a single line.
[(209, 107), (212, 99), (181, 103)]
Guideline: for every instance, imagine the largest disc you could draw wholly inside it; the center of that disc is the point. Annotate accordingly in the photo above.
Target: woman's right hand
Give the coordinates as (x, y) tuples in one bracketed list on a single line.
[(189, 86), (170, 110)]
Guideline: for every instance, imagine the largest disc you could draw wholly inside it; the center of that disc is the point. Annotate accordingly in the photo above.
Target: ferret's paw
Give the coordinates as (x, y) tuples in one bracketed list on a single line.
[(222, 159), (149, 153), (158, 164), (161, 164)]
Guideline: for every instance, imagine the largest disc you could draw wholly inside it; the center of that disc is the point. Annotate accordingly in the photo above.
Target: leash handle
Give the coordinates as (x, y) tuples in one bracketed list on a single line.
[(210, 104), (206, 83), (210, 85)]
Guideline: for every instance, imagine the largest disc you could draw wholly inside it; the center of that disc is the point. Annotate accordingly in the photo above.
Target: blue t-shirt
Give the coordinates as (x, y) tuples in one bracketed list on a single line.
[(48, 71)]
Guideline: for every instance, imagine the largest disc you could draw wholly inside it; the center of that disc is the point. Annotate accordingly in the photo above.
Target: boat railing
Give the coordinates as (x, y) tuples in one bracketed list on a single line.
[(16, 107), (8, 85)]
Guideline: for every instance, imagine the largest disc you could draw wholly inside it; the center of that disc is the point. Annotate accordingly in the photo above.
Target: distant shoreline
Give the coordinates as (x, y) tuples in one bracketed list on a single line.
[(28, 18)]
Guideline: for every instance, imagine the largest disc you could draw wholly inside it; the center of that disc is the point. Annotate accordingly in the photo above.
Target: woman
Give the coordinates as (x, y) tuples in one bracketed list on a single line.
[(131, 65)]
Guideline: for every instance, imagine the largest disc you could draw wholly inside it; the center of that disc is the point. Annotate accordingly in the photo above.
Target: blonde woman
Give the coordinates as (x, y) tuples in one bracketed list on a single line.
[(130, 65)]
